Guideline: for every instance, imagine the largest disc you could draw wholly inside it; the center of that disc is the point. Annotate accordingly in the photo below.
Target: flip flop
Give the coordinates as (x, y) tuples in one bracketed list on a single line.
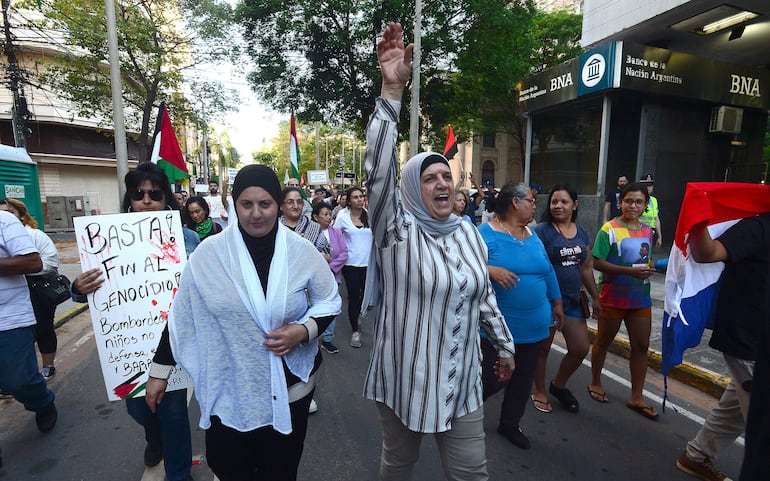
[(645, 411), (542, 406), (597, 396)]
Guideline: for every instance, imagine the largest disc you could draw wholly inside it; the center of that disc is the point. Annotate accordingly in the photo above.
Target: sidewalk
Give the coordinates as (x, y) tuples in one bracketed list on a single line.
[(703, 368)]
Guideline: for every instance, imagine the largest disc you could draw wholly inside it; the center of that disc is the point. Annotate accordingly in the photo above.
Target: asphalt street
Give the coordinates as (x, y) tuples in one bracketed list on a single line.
[(96, 440)]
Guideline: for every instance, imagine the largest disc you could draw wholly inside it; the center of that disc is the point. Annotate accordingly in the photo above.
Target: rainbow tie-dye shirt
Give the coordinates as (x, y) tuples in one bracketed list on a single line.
[(623, 246)]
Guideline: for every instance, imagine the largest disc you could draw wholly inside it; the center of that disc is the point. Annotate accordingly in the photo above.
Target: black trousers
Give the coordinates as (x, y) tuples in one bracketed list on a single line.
[(518, 388), (45, 334), (262, 454), (355, 280)]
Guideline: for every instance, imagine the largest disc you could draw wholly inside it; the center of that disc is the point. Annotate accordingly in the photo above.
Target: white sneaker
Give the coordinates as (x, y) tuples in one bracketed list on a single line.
[(355, 340), (313, 407)]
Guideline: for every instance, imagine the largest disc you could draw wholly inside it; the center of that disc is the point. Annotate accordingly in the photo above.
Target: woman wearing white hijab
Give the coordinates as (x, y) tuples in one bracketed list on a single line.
[(425, 366), (250, 346)]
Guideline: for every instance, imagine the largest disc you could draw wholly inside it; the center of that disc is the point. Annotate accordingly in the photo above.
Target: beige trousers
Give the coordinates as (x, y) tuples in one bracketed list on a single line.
[(462, 448)]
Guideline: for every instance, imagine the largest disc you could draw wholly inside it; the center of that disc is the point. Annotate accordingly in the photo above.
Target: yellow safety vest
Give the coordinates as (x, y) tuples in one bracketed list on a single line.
[(650, 214)]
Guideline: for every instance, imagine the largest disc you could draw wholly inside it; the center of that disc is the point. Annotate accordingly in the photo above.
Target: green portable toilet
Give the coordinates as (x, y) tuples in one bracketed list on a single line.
[(18, 179)]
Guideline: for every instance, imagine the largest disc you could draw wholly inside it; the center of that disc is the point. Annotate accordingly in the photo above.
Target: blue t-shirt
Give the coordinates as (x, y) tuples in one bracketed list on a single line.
[(526, 307), (566, 255)]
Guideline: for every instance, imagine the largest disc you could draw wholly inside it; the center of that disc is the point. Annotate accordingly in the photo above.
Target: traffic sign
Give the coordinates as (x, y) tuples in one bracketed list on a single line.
[(317, 177)]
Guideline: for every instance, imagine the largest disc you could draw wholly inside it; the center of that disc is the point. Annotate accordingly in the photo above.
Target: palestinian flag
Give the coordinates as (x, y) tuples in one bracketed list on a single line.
[(450, 148), (166, 152), (294, 154)]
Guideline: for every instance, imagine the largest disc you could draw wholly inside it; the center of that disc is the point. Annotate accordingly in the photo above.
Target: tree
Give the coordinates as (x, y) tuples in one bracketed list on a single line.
[(269, 159), (223, 154), (481, 95), (318, 59), (557, 35), (154, 48)]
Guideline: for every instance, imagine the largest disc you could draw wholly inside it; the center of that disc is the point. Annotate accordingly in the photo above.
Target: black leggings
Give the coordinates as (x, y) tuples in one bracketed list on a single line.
[(355, 279), (261, 454), (45, 335)]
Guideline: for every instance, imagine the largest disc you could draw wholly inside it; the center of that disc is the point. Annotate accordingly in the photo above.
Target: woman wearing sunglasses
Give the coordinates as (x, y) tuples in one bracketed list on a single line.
[(198, 217), (622, 254), (167, 427)]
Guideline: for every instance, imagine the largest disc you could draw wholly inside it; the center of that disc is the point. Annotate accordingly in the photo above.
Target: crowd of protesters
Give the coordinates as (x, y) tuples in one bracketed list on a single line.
[(480, 307)]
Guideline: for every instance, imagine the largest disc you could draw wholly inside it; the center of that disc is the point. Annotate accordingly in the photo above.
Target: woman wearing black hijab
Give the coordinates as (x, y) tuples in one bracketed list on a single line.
[(250, 346)]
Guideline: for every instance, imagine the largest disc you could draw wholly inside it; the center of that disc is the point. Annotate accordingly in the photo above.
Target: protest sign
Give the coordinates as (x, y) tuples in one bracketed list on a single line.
[(141, 256)]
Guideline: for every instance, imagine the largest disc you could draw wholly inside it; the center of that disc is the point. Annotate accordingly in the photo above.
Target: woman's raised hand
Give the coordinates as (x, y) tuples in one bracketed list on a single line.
[(395, 61)]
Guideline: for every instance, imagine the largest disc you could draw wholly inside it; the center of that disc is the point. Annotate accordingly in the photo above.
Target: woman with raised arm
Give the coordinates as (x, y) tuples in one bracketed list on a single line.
[(431, 279)]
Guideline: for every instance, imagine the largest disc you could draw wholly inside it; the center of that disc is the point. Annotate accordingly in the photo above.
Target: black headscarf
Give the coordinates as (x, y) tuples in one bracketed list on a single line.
[(257, 176), (262, 248)]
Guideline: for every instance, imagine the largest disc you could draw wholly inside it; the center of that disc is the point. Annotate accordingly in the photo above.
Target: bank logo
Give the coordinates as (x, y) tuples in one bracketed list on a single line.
[(593, 70)]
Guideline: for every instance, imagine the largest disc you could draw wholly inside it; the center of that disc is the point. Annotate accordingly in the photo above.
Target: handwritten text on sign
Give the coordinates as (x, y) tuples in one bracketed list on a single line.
[(141, 256)]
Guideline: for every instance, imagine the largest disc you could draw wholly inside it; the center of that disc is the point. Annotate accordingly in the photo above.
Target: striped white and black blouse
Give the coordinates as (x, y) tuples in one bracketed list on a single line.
[(436, 293)]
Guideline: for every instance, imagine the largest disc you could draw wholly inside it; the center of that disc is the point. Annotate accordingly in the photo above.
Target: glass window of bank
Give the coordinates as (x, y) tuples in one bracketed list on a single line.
[(565, 146)]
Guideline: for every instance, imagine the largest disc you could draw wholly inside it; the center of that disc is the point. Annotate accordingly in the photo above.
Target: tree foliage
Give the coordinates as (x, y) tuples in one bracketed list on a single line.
[(318, 58), (223, 154), (154, 49)]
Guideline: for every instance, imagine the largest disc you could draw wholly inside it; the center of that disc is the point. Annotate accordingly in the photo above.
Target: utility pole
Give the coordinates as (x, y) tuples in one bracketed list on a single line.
[(414, 116), (317, 147), (119, 124), (20, 114)]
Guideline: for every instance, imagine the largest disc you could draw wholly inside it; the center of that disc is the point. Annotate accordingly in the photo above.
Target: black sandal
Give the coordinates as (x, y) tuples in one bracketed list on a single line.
[(565, 397)]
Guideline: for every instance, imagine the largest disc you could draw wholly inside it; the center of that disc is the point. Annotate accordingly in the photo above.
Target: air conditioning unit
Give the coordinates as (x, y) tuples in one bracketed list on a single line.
[(726, 119)]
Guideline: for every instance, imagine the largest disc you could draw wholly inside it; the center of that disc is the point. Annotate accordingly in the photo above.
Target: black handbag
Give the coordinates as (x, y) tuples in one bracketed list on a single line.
[(53, 289)]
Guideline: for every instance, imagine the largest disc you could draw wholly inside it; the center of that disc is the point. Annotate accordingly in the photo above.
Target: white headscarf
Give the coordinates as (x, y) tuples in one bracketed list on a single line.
[(411, 197)]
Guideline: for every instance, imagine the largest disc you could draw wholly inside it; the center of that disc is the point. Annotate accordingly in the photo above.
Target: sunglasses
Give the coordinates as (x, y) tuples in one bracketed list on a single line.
[(155, 194)]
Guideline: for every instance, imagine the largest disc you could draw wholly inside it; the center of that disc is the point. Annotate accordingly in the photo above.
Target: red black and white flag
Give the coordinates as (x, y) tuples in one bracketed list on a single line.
[(450, 148), (166, 152)]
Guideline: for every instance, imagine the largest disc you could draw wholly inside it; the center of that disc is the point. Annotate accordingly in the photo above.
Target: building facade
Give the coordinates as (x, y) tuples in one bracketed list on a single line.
[(652, 95)]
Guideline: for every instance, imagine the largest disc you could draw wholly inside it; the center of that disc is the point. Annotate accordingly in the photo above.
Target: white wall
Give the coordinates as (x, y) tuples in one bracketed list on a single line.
[(99, 183), (604, 18)]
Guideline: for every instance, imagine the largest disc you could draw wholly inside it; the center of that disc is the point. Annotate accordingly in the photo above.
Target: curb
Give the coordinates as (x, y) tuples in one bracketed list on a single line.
[(69, 314), (699, 378)]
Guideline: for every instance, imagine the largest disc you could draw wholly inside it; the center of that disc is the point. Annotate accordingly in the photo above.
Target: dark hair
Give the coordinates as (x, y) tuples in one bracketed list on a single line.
[(287, 190), (510, 190), (547, 217), (319, 207), (196, 199), (364, 214), (634, 187), (646, 245), (156, 176)]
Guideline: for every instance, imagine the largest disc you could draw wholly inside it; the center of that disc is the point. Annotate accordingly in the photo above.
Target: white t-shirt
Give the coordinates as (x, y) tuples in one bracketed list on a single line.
[(217, 209), (16, 308), (358, 239), (47, 250)]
